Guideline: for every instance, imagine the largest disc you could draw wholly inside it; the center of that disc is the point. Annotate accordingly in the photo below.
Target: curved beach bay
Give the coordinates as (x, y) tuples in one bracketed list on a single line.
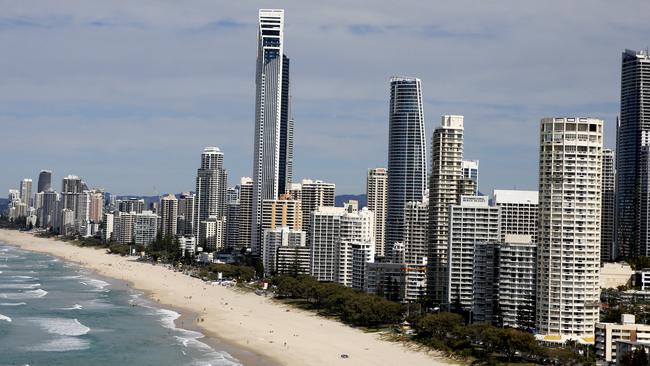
[(254, 324)]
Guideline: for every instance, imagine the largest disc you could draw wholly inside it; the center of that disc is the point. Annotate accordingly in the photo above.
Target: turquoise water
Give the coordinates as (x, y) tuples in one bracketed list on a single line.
[(56, 313)]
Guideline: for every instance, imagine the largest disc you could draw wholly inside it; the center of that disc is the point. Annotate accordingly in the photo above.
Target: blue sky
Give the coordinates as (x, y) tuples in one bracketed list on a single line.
[(127, 93)]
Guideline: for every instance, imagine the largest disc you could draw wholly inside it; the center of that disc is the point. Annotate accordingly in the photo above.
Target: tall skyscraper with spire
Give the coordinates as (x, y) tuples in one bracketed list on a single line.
[(632, 153), (273, 155), (407, 159)]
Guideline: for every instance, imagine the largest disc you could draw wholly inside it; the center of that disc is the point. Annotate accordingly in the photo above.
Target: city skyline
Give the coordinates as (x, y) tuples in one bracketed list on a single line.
[(165, 114)]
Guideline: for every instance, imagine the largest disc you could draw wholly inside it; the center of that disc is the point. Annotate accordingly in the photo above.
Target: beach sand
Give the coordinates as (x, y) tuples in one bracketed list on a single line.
[(262, 328)]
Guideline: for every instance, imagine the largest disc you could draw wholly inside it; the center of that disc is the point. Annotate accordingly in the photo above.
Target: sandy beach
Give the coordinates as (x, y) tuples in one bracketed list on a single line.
[(261, 327)]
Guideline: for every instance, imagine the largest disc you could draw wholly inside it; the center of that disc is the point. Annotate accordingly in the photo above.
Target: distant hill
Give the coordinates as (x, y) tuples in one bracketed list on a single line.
[(363, 200)]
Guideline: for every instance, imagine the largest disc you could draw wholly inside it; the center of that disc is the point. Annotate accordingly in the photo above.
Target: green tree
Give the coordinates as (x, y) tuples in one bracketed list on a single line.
[(638, 357), (438, 325)]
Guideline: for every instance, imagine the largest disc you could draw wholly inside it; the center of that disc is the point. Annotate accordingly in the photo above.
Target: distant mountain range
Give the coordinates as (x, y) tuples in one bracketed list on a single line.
[(363, 200)]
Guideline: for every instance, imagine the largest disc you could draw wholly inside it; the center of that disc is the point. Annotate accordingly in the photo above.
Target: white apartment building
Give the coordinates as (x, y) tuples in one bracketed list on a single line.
[(26, 191), (314, 194), (472, 222), (519, 212), (109, 222), (293, 258), (276, 238), (416, 224), (357, 228), (444, 190), (516, 257), (145, 228), (324, 242), (396, 281), (335, 230), (212, 231), (470, 170), (187, 245), (363, 252), (568, 258), (376, 189), (169, 215)]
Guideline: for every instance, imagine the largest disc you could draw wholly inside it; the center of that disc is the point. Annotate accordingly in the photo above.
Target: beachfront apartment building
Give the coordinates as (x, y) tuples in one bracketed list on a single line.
[(313, 194), (336, 231), (416, 224), (444, 190), (213, 231), (283, 251), (471, 223), (145, 228), (169, 216), (396, 281), (568, 254)]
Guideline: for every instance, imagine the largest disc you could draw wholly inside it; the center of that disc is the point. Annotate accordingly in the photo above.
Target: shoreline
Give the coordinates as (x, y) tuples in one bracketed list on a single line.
[(253, 329)]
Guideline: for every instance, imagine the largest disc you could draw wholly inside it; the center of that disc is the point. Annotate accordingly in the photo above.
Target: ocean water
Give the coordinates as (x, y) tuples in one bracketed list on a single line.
[(57, 313)]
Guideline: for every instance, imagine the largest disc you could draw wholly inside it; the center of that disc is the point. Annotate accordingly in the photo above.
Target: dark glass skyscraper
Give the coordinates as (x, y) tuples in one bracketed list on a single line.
[(632, 141), (407, 164), (44, 181), (285, 166), (273, 154)]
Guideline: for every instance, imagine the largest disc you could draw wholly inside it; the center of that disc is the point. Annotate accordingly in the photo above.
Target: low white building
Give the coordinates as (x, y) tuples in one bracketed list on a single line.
[(401, 282), (280, 237), (187, 245), (212, 233), (607, 335)]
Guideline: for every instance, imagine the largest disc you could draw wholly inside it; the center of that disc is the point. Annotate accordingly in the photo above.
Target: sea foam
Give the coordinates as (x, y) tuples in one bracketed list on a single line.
[(19, 286), (12, 303), (61, 326), (5, 318), (32, 294), (99, 285), (62, 344), (74, 307)]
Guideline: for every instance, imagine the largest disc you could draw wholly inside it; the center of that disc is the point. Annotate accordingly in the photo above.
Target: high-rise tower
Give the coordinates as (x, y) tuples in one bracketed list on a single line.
[(444, 190), (26, 191), (44, 181), (211, 183), (632, 141), (273, 155), (608, 205), (376, 188), (169, 215), (407, 163), (568, 255)]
